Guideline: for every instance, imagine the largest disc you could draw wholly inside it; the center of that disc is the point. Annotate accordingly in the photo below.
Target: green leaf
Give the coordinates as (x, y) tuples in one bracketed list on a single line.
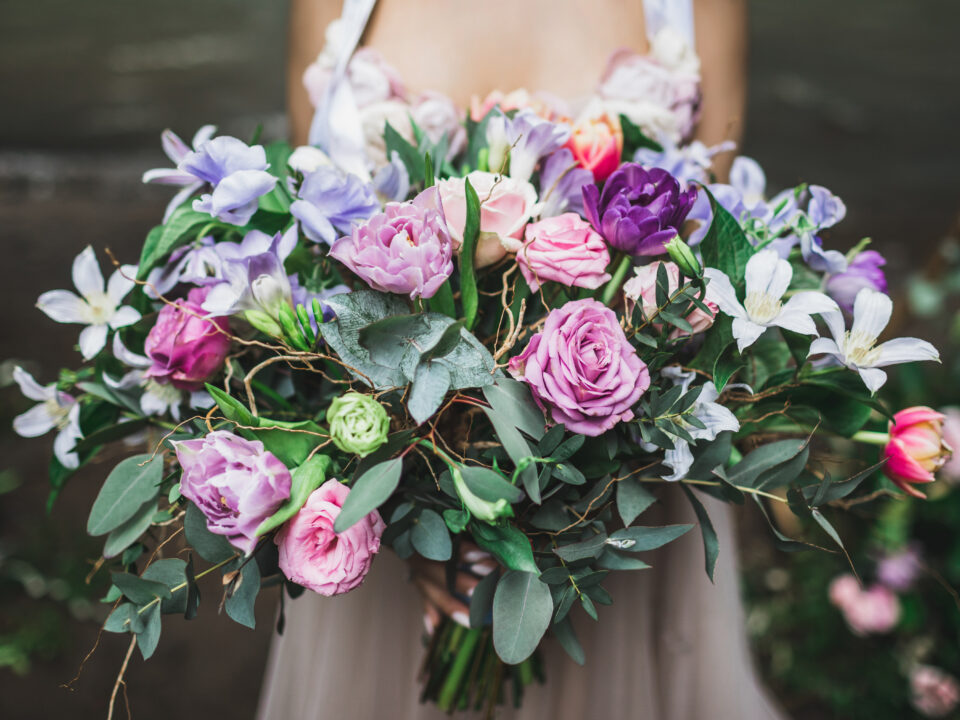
[(522, 607), (303, 481), (641, 539), (456, 520), (242, 595), (430, 386), (409, 155), (139, 590), (468, 278), (830, 491), (369, 492), (148, 638), (124, 619), (716, 341), (611, 560), (172, 573), (110, 434), (129, 485), (518, 449), (764, 458), (182, 227), (711, 544), (589, 548), (442, 301), (634, 139), (212, 548), (430, 538), (512, 400), (567, 638), (397, 340), (725, 246), (632, 499), (510, 546), (481, 602), (120, 538), (489, 485)]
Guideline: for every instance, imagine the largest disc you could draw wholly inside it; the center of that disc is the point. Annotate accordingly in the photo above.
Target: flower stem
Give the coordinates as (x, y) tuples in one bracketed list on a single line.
[(623, 266), (871, 438), (449, 693), (181, 586)]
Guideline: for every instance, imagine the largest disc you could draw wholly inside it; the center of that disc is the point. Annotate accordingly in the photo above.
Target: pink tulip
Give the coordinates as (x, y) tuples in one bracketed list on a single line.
[(596, 144), (916, 449)]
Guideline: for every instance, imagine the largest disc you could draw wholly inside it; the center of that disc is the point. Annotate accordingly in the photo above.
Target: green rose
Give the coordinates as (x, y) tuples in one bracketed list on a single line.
[(358, 423)]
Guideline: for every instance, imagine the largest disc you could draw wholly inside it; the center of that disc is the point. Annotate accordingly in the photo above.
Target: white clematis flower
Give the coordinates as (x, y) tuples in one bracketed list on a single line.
[(858, 349), (96, 309), (767, 279), (57, 410), (715, 416)]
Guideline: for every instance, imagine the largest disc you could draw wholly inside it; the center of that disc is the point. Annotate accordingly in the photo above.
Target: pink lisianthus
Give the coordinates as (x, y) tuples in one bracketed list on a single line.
[(564, 249), (406, 249), (312, 554), (933, 692), (951, 436), (873, 611), (596, 144), (187, 347), (642, 289), (582, 369), (506, 204), (916, 449)]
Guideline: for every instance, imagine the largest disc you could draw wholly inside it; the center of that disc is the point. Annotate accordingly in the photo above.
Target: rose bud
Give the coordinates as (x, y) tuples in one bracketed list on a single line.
[(916, 448), (358, 423), (596, 144), (187, 347)]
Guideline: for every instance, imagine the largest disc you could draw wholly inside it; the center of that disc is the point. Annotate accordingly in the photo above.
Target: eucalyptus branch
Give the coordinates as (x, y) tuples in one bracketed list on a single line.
[(181, 586)]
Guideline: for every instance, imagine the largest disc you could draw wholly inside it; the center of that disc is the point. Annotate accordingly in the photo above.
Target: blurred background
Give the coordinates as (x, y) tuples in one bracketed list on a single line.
[(859, 97)]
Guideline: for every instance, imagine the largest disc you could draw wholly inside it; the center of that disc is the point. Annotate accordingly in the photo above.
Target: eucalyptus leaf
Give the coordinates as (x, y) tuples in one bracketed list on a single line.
[(122, 537), (430, 538), (242, 595), (129, 485), (711, 544), (510, 546), (522, 608), (212, 548), (369, 492), (430, 386), (640, 539), (148, 638), (632, 499), (481, 601), (567, 638), (512, 400)]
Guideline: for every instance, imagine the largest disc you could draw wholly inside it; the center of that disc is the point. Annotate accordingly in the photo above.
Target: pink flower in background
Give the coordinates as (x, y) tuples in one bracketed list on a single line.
[(933, 692), (582, 368), (235, 483), (873, 611), (642, 289), (406, 249), (899, 570), (371, 78), (312, 554), (596, 144), (564, 249), (951, 436), (186, 346), (436, 115), (916, 449), (506, 204), (547, 107)]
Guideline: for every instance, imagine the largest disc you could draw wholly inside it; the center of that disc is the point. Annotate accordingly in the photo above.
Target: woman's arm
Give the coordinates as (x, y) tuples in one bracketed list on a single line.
[(307, 23), (721, 30)]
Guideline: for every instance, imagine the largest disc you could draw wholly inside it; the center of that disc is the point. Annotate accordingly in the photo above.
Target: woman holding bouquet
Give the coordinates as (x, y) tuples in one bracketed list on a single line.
[(672, 646)]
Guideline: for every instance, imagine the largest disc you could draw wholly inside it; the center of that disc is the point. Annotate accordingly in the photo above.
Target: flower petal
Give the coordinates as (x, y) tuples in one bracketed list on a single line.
[(125, 315), (92, 340), (34, 422), (824, 346), (175, 148), (872, 378), (871, 312), (720, 291), (30, 387), (835, 324), (768, 273), (903, 350), (121, 282), (64, 306), (67, 440), (746, 332), (798, 322), (128, 357), (87, 277)]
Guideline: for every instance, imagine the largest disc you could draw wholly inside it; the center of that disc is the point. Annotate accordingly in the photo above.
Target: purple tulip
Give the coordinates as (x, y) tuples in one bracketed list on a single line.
[(864, 272), (235, 483), (331, 201), (582, 368), (406, 249), (185, 346), (237, 174), (639, 210)]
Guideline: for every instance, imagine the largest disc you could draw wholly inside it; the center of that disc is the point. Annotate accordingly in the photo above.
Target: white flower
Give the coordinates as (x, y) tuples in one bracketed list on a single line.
[(57, 410), (858, 349), (95, 308), (767, 279), (712, 414)]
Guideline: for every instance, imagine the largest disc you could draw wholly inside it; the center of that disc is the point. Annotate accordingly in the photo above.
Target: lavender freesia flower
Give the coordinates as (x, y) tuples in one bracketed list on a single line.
[(865, 271), (235, 483), (330, 202), (561, 184), (526, 137), (406, 249), (197, 264), (176, 149), (236, 172), (688, 163), (639, 210)]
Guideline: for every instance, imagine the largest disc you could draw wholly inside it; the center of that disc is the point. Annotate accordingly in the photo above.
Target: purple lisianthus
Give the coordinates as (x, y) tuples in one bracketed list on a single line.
[(582, 369), (864, 272), (406, 249), (639, 210), (526, 137), (561, 184), (185, 346), (234, 482), (331, 202), (236, 172)]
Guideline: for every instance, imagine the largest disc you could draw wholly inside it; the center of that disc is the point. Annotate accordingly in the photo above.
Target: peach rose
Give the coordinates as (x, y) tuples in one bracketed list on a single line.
[(565, 249), (506, 204), (596, 144)]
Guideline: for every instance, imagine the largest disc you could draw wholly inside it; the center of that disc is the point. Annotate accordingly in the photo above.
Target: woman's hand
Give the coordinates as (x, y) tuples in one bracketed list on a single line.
[(430, 577)]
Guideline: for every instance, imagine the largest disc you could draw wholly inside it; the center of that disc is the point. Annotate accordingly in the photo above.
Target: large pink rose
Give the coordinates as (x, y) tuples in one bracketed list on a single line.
[(506, 204), (642, 289), (565, 249), (313, 555)]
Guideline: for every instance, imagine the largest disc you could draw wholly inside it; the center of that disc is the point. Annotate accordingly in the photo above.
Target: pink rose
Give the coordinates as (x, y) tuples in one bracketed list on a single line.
[(313, 555), (596, 144), (565, 249), (873, 611), (642, 288), (506, 204)]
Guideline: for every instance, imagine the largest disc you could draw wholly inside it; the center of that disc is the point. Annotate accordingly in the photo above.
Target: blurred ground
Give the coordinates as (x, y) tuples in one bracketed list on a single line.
[(859, 97)]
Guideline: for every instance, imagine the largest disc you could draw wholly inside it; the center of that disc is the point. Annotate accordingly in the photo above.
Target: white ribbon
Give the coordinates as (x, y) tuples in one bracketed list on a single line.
[(674, 14)]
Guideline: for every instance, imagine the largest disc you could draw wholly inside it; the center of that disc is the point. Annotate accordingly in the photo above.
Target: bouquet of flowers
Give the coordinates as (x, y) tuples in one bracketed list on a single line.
[(512, 334)]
